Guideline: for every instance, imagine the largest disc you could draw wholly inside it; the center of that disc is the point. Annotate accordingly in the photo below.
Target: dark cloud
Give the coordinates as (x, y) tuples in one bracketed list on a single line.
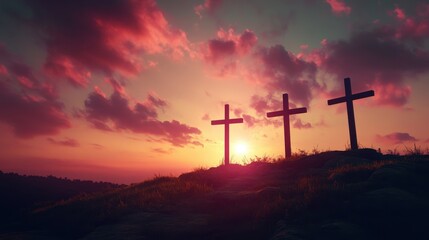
[(68, 142), (228, 45), (278, 26), (282, 71), (115, 114), (29, 115), (395, 138), (373, 59)]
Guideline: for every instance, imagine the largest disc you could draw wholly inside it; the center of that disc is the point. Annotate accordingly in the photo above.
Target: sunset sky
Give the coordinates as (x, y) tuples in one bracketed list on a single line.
[(123, 90)]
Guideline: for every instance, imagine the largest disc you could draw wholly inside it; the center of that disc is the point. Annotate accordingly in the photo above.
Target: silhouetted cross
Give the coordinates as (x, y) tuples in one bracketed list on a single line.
[(226, 122), (350, 111), (286, 112)]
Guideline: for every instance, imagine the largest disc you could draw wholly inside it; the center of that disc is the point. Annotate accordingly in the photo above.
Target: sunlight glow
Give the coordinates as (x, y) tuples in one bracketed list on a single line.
[(241, 148)]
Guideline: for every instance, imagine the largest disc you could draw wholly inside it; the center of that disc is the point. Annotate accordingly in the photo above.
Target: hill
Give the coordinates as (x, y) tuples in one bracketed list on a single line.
[(22, 193), (331, 195)]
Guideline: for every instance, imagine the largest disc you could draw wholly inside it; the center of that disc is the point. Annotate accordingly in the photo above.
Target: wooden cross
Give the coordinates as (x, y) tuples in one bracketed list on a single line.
[(286, 112), (226, 122), (348, 98)]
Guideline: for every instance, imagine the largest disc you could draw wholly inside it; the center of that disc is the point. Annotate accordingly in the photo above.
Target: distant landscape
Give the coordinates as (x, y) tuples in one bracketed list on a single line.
[(331, 195)]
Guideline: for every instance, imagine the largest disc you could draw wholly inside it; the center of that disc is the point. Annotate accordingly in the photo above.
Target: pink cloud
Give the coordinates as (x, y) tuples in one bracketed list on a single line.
[(61, 66), (68, 142), (108, 36), (339, 7), (115, 114), (116, 85), (3, 70), (211, 6), (395, 138), (415, 27), (251, 121), (399, 13)]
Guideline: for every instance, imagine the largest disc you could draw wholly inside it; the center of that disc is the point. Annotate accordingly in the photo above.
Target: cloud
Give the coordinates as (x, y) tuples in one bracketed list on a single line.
[(264, 104), (338, 7), (395, 138), (414, 27), (108, 36), (31, 115), (251, 121), (399, 13), (374, 59), (68, 142), (228, 44), (28, 105), (301, 125), (278, 26), (97, 146), (281, 71), (205, 117), (210, 6), (162, 151), (115, 114), (3, 70)]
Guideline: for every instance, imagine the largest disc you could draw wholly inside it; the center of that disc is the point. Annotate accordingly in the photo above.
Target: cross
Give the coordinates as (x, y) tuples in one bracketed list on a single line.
[(286, 112), (348, 98), (226, 122)]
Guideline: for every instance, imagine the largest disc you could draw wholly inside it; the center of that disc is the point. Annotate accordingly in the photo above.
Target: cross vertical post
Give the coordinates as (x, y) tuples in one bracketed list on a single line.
[(350, 114), (226, 152), (286, 112), (286, 127), (226, 122), (348, 99)]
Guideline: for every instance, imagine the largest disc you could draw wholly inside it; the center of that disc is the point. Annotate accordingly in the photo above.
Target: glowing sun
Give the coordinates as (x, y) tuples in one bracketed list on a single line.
[(241, 148)]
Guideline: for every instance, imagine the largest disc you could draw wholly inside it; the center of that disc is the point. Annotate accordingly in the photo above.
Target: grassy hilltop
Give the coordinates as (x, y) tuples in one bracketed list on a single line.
[(330, 195)]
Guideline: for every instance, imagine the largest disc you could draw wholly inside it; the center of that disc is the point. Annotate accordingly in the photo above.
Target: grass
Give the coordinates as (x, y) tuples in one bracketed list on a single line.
[(65, 217)]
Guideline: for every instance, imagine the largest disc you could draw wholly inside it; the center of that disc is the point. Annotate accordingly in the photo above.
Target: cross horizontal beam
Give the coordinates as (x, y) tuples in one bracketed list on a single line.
[(297, 110), (289, 112), (354, 97), (227, 121)]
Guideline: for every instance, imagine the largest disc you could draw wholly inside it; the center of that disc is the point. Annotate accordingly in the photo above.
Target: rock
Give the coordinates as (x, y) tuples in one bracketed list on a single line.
[(397, 175), (366, 153), (391, 212), (287, 232), (355, 157), (341, 230)]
